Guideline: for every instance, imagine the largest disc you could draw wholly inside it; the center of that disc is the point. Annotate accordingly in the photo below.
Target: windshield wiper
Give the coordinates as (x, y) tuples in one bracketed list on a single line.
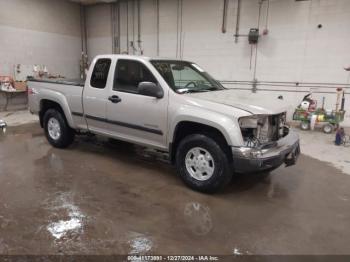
[(186, 91), (198, 90), (203, 90)]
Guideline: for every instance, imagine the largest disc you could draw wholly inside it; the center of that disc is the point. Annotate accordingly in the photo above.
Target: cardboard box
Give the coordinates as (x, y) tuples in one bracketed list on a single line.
[(6, 79), (20, 86)]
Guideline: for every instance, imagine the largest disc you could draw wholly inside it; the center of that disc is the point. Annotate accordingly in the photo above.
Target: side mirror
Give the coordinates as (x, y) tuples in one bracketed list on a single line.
[(150, 89)]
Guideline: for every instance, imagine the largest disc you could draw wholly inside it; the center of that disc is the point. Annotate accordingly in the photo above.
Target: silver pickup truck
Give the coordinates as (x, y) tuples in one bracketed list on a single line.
[(173, 106)]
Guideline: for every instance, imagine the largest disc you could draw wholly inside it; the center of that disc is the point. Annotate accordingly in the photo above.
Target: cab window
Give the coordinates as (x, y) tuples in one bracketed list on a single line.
[(100, 74)]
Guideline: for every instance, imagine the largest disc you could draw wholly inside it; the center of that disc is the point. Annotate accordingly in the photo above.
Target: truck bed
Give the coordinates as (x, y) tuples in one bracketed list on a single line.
[(62, 91), (63, 81)]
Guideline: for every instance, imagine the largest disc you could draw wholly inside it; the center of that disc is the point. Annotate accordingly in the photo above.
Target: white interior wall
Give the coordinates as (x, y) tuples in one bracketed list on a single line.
[(38, 32), (99, 31), (45, 32), (295, 50)]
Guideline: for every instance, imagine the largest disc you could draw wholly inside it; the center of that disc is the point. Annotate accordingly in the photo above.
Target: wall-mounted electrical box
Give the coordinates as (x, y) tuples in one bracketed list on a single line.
[(253, 36)]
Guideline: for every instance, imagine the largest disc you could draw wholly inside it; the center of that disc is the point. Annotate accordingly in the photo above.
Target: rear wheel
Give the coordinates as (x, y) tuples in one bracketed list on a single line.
[(203, 164), (57, 131), (328, 128), (305, 125)]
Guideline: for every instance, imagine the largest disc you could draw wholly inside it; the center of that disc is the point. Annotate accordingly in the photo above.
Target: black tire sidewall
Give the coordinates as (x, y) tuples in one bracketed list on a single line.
[(222, 172), (67, 135)]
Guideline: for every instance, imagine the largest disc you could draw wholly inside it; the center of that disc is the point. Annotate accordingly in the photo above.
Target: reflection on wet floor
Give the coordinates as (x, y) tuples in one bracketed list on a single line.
[(69, 218), (198, 218), (110, 197), (139, 243)]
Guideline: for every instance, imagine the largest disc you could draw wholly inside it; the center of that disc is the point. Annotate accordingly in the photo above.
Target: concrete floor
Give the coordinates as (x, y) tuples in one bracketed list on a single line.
[(15, 118), (114, 198), (321, 146)]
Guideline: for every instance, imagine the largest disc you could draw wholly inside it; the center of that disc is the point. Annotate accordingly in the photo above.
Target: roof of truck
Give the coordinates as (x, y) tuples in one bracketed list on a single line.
[(145, 58)]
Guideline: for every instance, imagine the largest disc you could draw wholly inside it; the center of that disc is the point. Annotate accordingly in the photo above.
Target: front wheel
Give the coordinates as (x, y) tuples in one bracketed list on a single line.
[(203, 164), (57, 131)]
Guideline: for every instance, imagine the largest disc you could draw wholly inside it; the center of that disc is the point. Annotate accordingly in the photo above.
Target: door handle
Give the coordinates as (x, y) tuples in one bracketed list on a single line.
[(115, 99)]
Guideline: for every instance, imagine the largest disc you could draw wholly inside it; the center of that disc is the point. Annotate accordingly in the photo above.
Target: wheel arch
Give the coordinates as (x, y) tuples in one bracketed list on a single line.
[(186, 128), (46, 104)]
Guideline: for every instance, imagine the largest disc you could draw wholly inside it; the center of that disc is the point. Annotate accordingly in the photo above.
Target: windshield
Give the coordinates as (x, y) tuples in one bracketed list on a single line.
[(184, 77)]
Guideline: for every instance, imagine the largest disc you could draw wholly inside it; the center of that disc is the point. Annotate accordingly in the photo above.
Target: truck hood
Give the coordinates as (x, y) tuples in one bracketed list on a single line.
[(253, 103)]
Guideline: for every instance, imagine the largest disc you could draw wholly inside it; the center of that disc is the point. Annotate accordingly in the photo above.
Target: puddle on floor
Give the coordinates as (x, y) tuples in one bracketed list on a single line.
[(198, 217), (139, 243), (72, 218)]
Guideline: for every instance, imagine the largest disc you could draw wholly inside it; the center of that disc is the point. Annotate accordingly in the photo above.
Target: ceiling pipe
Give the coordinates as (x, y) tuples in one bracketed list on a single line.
[(127, 27), (181, 28), (259, 15), (224, 17), (254, 85), (238, 19), (118, 28), (177, 28), (133, 27), (113, 28), (267, 17), (84, 51), (139, 41), (83, 29), (158, 25)]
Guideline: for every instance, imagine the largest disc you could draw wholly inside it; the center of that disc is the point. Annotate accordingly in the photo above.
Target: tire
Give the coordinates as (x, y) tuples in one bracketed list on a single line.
[(328, 129), (61, 137), (304, 125), (217, 168)]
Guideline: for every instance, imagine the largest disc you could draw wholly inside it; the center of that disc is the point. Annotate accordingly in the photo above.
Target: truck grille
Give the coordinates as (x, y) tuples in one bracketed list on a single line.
[(265, 131), (272, 129)]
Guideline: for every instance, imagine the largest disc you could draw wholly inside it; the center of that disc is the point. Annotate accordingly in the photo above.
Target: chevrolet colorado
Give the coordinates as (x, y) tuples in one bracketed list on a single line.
[(174, 106)]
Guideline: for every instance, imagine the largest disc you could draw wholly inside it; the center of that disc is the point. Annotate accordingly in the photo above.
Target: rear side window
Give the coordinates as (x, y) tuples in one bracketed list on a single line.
[(100, 74), (129, 74)]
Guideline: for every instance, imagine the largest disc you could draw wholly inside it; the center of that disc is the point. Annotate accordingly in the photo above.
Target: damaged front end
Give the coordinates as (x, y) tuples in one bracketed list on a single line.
[(260, 130), (268, 143)]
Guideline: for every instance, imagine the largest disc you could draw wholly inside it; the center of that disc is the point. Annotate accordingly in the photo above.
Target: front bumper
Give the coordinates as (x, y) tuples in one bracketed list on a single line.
[(286, 150)]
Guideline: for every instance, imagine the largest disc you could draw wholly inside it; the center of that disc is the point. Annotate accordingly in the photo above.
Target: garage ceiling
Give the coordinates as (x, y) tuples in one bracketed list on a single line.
[(90, 2)]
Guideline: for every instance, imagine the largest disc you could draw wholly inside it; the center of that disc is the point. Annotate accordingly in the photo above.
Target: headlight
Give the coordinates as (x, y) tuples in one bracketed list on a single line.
[(248, 122), (252, 121), (252, 128)]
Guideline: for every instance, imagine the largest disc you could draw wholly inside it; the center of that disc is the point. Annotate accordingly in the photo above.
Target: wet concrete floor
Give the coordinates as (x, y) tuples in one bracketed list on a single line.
[(102, 198)]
